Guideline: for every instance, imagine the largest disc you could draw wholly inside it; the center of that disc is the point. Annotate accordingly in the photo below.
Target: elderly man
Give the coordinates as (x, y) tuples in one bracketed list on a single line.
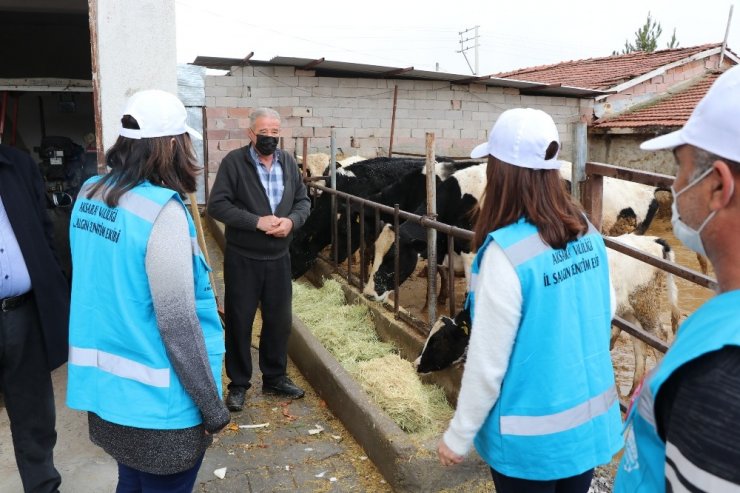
[(260, 196), (682, 431)]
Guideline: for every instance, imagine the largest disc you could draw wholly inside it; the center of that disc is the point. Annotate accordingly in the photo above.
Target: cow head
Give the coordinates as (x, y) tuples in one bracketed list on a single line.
[(446, 344), (380, 282)]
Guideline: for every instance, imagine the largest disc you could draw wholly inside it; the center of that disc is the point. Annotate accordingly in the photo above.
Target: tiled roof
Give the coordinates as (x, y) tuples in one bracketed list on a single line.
[(605, 72), (670, 111)]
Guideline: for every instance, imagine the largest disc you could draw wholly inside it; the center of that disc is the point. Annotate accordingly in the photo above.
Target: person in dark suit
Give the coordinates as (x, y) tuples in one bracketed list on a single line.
[(34, 314)]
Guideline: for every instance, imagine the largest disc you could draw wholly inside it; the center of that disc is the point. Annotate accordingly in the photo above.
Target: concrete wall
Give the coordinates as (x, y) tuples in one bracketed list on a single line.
[(360, 110), (624, 150), (136, 50)]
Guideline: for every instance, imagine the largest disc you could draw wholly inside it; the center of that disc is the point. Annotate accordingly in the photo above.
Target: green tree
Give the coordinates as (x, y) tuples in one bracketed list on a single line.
[(673, 43), (646, 38)]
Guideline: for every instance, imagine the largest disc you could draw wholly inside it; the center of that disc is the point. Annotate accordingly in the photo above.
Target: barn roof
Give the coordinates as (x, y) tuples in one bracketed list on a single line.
[(610, 72), (673, 110), (329, 68)]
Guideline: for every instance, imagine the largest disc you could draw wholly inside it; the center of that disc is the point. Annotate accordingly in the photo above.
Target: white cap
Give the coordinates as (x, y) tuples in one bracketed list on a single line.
[(521, 137), (159, 114), (714, 125)]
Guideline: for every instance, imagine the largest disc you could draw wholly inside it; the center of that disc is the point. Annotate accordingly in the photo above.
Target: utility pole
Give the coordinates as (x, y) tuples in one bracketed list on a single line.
[(724, 42), (464, 48)]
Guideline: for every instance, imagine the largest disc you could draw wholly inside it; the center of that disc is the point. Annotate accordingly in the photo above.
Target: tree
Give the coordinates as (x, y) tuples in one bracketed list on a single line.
[(673, 43), (646, 38)]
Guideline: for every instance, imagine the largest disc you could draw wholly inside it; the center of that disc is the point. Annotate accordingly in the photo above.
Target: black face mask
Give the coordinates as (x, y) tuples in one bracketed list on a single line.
[(266, 145)]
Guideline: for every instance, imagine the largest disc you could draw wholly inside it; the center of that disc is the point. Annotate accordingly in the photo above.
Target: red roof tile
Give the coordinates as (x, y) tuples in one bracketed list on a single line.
[(670, 111), (605, 72)]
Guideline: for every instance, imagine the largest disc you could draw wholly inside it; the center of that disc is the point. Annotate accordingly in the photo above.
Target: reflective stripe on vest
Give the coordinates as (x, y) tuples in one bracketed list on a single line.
[(562, 421), (643, 468), (699, 478), (119, 366), (118, 351), (557, 414)]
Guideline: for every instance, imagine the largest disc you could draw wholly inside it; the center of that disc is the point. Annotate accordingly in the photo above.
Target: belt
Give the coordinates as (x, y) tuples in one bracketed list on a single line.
[(13, 302)]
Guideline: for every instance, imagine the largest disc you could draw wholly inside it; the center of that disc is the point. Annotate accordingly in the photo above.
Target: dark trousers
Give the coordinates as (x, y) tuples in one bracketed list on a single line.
[(133, 481), (29, 397), (251, 283), (573, 484)]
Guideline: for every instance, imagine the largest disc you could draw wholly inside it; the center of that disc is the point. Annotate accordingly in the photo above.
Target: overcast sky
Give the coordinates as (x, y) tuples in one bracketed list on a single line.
[(404, 33)]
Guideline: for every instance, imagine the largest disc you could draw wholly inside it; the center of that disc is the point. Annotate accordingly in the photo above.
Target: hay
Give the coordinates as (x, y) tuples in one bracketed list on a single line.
[(394, 385), (348, 333)]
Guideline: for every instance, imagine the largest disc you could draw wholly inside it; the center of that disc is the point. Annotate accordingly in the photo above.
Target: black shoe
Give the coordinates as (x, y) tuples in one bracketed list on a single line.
[(235, 399), (283, 386)]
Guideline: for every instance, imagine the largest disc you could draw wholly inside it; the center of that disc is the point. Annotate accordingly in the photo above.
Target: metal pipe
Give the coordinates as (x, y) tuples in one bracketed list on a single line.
[(463, 234), (304, 164), (431, 186), (724, 41), (333, 183), (348, 222), (670, 267), (645, 337), (396, 264), (363, 260), (451, 277), (393, 120)]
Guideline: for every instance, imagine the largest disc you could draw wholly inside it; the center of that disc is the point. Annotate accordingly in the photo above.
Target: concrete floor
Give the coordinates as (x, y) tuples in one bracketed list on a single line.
[(84, 467)]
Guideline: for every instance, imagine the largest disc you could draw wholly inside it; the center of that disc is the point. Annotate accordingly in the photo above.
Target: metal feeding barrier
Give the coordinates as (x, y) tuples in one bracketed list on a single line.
[(592, 198)]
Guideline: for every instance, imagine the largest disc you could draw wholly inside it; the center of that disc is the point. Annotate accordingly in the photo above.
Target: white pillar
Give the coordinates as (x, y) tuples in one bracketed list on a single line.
[(136, 49)]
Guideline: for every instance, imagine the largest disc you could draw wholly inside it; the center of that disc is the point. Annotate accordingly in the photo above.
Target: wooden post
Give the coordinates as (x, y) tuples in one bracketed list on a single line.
[(580, 155), (431, 232), (393, 120)]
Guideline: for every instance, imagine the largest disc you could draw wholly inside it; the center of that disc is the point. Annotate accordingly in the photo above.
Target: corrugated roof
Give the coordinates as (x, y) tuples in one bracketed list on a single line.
[(671, 111), (607, 72), (329, 68)]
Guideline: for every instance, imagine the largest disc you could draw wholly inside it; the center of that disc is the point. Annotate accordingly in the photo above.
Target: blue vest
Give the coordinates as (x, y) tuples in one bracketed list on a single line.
[(118, 366), (713, 326), (558, 413)]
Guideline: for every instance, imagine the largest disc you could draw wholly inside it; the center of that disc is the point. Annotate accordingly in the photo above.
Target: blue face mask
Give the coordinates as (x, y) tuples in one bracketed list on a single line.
[(683, 232)]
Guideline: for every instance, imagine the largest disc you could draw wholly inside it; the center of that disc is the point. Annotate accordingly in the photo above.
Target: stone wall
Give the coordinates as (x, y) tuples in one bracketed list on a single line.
[(360, 110), (624, 150)]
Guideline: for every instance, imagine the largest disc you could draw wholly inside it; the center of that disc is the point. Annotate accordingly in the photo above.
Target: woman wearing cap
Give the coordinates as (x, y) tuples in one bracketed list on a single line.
[(145, 342), (538, 397)]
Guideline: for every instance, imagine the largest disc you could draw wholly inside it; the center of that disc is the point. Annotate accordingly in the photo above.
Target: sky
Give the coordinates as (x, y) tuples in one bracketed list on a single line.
[(426, 34)]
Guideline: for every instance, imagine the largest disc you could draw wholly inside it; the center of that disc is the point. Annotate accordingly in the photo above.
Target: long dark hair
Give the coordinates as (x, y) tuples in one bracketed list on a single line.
[(133, 161), (538, 195)]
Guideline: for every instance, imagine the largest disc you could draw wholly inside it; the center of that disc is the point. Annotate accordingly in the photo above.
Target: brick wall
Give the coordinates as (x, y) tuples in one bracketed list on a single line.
[(360, 110), (673, 77)]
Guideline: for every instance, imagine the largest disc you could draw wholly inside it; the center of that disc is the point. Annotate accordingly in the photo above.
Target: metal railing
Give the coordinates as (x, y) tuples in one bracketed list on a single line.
[(593, 195), (396, 216)]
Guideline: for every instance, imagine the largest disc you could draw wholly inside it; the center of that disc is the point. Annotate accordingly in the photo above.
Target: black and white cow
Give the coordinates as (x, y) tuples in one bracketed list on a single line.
[(639, 289), (361, 179), (626, 206), (409, 193), (457, 197), (446, 344)]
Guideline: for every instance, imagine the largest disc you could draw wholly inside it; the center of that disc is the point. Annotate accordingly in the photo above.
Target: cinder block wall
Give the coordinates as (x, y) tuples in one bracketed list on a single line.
[(360, 110)]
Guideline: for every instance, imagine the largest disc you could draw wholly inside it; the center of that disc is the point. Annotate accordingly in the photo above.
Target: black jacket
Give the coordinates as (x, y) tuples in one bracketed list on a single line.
[(22, 191), (238, 200)]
